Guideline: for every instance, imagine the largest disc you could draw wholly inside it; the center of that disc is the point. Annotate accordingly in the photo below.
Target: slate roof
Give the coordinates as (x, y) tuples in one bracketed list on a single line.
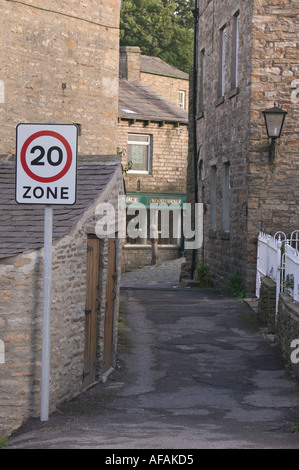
[(158, 66), (22, 225), (138, 102)]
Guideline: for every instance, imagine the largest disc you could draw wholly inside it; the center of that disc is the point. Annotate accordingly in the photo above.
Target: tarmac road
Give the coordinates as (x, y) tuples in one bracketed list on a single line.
[(194, 372)]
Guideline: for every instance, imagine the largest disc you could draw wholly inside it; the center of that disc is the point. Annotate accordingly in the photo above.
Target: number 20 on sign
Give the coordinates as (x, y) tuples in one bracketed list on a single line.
[(46, 165)]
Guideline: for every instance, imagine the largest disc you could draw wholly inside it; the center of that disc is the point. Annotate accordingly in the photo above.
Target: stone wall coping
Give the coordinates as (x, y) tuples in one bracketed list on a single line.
[(268, 281), (292, 306)]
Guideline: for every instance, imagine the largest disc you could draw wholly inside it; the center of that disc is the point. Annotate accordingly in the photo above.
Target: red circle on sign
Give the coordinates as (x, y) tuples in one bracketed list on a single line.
[(59, 175)]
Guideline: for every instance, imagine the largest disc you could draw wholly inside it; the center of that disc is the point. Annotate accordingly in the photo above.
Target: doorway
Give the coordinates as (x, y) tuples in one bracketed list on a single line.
[(99, 319), (108, 353), (91, 309)]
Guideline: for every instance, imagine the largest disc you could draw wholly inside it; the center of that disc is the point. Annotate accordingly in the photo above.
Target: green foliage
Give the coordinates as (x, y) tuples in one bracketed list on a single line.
[(289, 281), (161, 28), (203, 276), (236, 287), (295, 429), (3, 441)]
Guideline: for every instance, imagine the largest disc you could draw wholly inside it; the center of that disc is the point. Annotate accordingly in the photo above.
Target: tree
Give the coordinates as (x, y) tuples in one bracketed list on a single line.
[(161, 28), (182, 12)]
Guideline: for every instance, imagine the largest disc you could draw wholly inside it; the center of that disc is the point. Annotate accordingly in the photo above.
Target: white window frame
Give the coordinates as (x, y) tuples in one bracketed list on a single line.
[(201, 81), (225, 197), (213, 198), (223, 36), (235, 48), (2, 92), (145, 143), (182, 99)]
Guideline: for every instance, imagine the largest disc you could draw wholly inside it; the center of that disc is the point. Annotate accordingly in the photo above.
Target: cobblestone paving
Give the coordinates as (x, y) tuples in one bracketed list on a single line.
[(154, 276)]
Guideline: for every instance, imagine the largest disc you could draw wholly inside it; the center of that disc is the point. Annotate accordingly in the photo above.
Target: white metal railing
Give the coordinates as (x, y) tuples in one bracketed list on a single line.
[(278, 258), (291, 272), (268, 257)]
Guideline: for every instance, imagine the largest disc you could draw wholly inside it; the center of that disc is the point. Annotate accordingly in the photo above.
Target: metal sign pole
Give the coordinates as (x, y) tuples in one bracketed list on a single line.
[(45, 380), (46, 173)]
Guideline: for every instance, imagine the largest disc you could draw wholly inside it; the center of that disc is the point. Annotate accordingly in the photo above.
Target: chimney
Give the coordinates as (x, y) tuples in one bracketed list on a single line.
[(129, 63)]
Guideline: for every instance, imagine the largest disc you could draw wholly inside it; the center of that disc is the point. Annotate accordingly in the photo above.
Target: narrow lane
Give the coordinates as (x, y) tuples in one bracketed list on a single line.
[(194, 372)]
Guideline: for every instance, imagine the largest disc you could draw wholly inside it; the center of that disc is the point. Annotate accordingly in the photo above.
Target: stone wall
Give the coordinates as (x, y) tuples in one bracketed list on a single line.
[(169, 157), (222, 136), (59, 62), (287, 329), (267, 303), (231, 131), (285, 325), (138, 256), (167, 87), (21, 292), (273, 188)]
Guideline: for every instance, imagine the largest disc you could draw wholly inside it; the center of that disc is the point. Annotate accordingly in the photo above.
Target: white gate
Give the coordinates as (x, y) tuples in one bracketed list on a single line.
[(278, 258)]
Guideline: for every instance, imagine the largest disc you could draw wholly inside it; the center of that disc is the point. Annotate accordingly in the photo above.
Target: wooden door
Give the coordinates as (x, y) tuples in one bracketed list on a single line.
[(109, 313), (91, 309)]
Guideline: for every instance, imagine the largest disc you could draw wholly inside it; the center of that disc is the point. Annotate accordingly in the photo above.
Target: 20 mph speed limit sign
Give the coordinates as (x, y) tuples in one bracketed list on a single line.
[(46, 165)]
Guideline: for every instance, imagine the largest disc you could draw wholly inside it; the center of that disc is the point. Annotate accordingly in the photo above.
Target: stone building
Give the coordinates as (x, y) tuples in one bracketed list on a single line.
[(59, 64), (247, 59), (153, 140), (85, 283), (57, 58)]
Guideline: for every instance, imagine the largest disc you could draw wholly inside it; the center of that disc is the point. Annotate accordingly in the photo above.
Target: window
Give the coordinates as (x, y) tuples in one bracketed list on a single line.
[(222, 65), (166, 218), (2, 92), (182, 99), (2, 352), (225, 197), (235, 51), (139, 153), (213, 196), (201, 82)]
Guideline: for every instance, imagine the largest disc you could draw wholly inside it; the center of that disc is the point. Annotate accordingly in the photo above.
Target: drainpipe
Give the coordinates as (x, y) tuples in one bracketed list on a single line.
[(195, 12)]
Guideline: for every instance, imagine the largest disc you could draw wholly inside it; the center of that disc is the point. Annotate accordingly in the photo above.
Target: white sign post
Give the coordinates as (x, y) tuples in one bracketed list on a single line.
[(46, 173)]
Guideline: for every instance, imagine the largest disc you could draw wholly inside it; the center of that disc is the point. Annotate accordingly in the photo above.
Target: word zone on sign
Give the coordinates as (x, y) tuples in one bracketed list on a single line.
[(46, 165)]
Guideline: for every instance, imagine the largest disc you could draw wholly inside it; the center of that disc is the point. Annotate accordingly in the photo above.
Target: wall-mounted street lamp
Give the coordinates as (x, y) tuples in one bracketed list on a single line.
[(274, 119)]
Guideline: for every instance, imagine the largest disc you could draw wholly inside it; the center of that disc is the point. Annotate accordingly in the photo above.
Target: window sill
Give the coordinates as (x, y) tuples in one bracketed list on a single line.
[(137, 172), (233, 92), (219, 101)]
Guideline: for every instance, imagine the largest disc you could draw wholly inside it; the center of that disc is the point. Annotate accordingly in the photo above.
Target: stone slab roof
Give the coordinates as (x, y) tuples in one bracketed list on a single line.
[(157, 66), (138, 102), (22, 225)]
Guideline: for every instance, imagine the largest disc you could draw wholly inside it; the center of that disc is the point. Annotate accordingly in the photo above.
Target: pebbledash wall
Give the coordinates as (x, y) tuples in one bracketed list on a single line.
[(57, 58), (242, 192)]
